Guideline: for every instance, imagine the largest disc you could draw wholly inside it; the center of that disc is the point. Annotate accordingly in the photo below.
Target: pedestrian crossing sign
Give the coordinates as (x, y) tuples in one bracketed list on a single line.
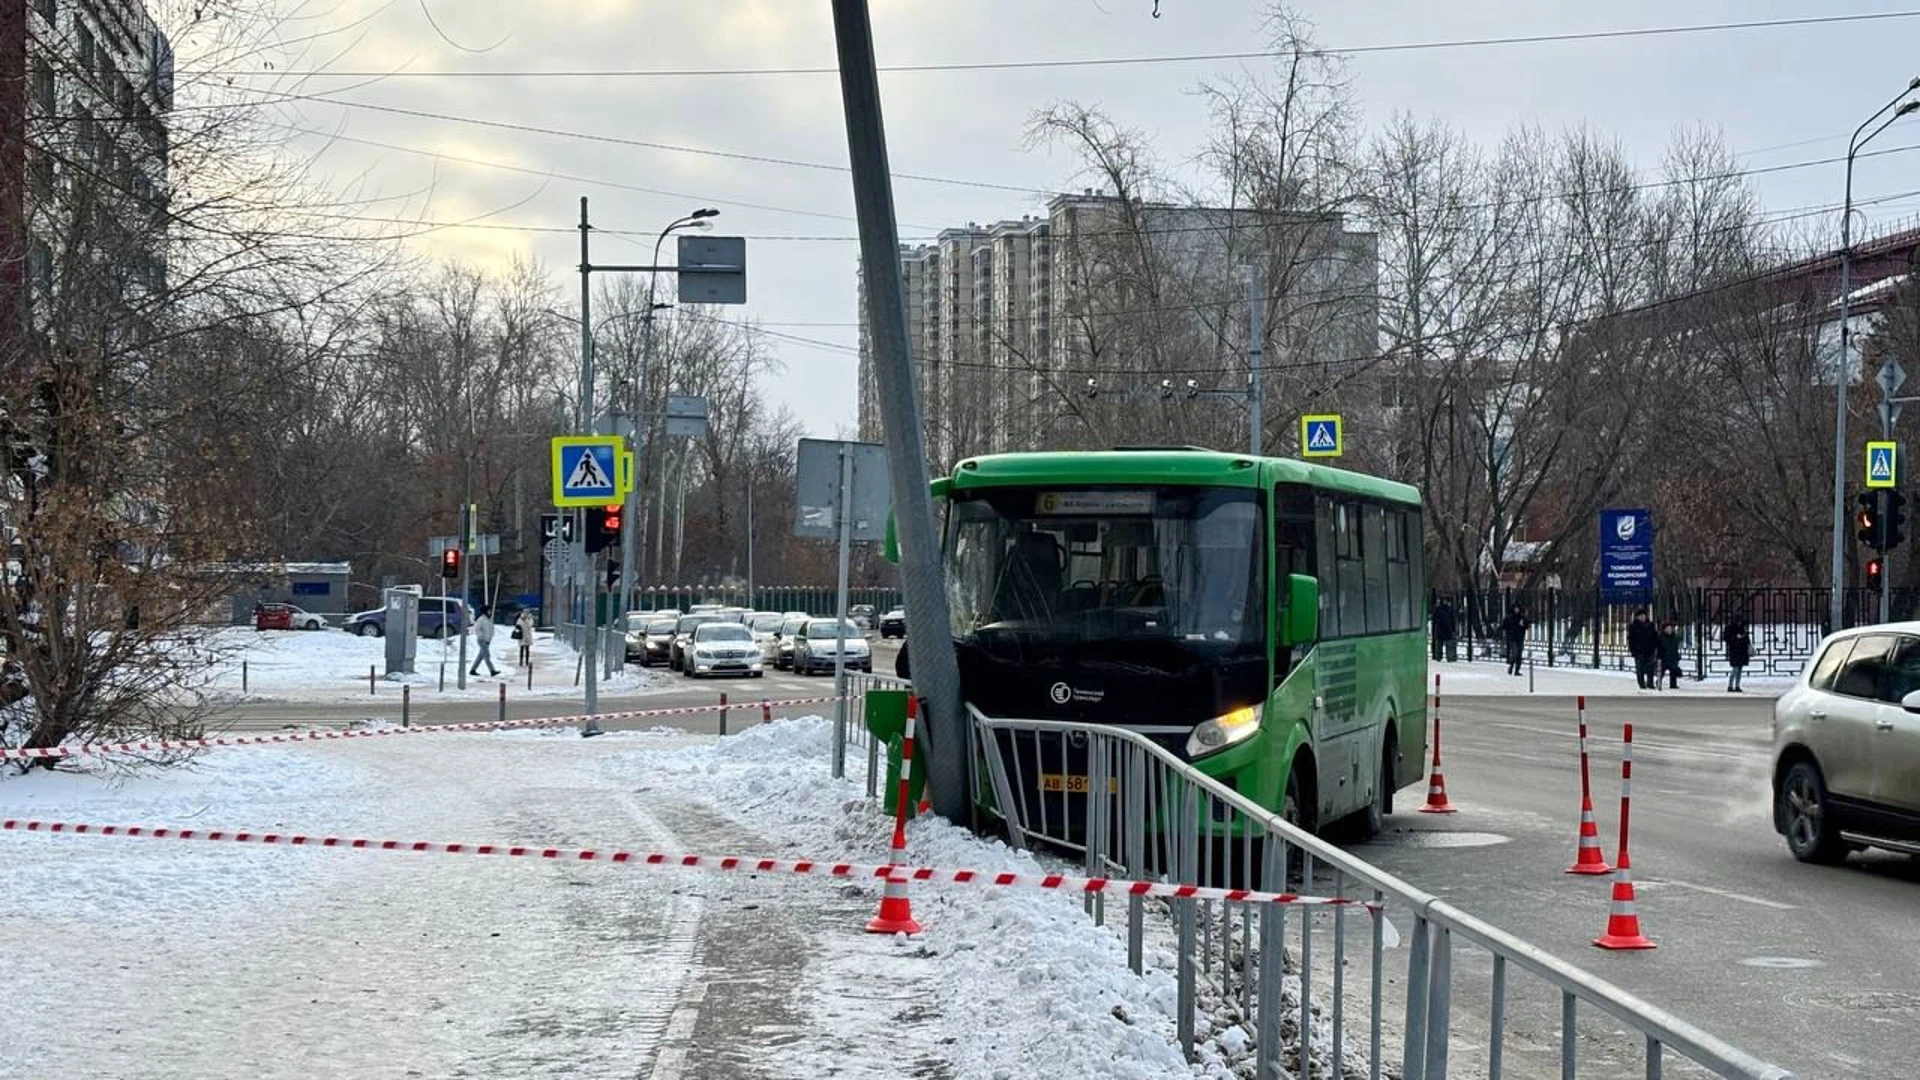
[(1883, 464), (1320, 436), (591, 470)]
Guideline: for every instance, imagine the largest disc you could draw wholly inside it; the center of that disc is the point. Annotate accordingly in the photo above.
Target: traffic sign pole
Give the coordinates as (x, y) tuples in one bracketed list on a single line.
[(466, 589)]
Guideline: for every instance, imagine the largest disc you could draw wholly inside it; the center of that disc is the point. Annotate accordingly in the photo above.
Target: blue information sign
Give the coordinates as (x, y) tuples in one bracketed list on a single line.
[(1626, 556)]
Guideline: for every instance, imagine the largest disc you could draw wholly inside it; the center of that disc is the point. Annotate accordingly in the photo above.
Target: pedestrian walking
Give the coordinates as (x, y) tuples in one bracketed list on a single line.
[(523, 633), (1669, 654), (1739, 643), (1643, 642), (483, 641), (1446, 629), (1514, 631), (902, 667)]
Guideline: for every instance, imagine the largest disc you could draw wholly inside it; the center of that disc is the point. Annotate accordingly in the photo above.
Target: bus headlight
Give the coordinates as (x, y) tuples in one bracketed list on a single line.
[(1217, 734)]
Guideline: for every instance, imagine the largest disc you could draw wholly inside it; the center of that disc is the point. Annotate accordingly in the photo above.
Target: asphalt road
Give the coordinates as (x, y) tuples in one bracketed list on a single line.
[(669, 690), (1814, 968)]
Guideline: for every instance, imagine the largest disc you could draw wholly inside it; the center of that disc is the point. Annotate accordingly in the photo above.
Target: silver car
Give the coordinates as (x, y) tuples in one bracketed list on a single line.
[(723, 648), (815, 644), (1846, 742)]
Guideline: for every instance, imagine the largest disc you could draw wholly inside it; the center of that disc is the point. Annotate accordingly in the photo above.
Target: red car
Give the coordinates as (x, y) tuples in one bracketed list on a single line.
[(272, 617)]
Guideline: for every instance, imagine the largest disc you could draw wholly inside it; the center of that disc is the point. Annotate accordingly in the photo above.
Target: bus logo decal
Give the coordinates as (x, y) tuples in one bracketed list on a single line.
[(1061, 693)]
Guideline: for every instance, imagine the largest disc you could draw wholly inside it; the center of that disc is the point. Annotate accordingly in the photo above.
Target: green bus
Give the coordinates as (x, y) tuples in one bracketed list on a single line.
[(1262, 617)]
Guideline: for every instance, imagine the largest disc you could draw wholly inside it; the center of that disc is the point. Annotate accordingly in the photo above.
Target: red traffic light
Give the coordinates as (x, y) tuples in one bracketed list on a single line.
[(611, 521), (450, 563), (1874, 569)]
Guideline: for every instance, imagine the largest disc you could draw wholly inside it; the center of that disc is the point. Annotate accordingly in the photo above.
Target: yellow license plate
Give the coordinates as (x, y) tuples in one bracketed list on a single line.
[(1073, 784)]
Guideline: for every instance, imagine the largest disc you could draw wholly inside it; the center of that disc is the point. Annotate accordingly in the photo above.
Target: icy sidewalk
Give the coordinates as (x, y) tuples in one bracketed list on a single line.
[(332, 666), (145, 958), (1022, 983), (1483, 678)]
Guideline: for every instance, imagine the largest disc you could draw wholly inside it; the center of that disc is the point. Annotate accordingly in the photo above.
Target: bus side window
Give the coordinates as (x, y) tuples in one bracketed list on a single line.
[(1329, 568)]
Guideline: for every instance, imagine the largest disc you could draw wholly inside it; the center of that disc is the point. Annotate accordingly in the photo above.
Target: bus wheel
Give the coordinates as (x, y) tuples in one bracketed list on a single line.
[(1297, 809), (1382, 804)]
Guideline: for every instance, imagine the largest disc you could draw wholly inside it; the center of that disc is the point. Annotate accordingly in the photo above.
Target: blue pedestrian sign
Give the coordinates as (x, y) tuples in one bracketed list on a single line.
[(591, 470), (1320, 436), (1883, 464)]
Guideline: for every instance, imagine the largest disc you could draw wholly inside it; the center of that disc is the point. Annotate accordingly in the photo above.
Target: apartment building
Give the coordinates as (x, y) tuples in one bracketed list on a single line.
[(100, 84), (1016, 325)]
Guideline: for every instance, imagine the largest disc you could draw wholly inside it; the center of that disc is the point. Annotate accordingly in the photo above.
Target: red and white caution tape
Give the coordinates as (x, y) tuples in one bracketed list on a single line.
[(733, 863), (281, 738)]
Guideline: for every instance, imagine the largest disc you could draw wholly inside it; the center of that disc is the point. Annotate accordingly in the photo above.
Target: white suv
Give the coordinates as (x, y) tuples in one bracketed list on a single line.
[(1846, 747)]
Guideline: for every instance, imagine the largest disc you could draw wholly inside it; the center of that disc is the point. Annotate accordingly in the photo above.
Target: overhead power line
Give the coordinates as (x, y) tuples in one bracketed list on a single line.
[(1107, 61), (734, 155)]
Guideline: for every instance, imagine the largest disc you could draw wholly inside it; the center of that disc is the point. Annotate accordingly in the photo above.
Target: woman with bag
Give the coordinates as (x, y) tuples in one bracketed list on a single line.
[(523, 633)]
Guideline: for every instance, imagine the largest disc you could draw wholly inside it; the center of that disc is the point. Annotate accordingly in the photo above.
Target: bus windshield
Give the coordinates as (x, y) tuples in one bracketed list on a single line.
[(1174, 571)]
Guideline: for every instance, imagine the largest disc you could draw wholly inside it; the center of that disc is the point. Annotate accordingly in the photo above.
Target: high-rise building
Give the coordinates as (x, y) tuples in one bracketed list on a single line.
[(100, 84), (1020, 325)]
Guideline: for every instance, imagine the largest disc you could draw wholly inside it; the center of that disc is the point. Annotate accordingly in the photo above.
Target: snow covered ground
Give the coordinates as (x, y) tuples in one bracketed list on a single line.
[(332, 665), (1481, 677), (144, 958)]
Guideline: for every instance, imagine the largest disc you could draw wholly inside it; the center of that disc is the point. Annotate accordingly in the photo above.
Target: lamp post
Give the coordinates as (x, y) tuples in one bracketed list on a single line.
[(629, 546), (1842, 369)]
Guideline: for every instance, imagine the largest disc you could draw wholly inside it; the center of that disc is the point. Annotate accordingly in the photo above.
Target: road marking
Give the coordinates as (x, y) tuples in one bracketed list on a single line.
[(678, 1038), (1757, 901), (1784, 963)]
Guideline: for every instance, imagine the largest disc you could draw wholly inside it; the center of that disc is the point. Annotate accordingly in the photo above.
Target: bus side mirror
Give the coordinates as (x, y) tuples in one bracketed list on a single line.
[(1301, 625), (890, 550)]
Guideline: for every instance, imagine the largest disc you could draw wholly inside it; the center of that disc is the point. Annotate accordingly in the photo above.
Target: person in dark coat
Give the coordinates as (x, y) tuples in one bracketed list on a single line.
[(901, 667), (1739, 643), (1669, 655), (1446, 629), (1513, 630), (1643, 642)]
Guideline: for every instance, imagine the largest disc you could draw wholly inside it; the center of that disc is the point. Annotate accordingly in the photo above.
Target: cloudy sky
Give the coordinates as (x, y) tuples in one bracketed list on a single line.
[(1783, 96)]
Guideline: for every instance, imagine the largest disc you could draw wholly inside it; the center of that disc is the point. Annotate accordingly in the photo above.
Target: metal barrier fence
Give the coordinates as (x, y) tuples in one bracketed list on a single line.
[(813, 599), (1132, 808), (1578, 629)]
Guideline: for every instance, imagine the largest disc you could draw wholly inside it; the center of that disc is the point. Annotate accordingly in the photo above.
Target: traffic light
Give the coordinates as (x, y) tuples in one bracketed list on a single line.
[(450, 563), (1870, 521), (603, 528), (1875, 567), (1895, 527)]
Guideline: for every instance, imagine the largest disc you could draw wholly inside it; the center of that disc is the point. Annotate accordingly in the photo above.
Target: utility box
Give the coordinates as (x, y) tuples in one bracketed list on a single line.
[(403, 629), (886, 721)]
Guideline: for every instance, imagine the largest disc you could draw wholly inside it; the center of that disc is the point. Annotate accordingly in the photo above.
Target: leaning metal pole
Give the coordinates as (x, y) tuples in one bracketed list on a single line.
[(936, 675), (590, 639)]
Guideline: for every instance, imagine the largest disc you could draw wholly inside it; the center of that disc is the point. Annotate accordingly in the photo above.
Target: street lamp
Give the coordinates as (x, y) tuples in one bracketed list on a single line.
[(629, 546), (1836, 602)]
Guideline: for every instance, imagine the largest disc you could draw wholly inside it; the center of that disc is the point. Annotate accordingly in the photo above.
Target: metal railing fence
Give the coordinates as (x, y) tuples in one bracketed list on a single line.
[(1577, 628), (1132, 808)]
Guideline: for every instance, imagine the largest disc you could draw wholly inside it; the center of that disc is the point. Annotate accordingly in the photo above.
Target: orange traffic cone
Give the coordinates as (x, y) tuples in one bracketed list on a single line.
[(896, 910), (1437, 802), (1588, 859), (1623, 921)]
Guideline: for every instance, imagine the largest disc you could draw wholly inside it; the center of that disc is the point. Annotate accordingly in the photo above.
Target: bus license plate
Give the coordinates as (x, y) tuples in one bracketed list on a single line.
[(1073, 784)]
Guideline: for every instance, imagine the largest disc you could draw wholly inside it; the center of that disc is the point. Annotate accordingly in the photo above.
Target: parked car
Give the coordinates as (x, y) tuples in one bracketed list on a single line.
[(439, 617), (783, 639), (635, 632), (815, 643), (683, 638), (721, 648), (766, 628), (273, 616), (893, 624), (862, 615), (1846, 747)]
